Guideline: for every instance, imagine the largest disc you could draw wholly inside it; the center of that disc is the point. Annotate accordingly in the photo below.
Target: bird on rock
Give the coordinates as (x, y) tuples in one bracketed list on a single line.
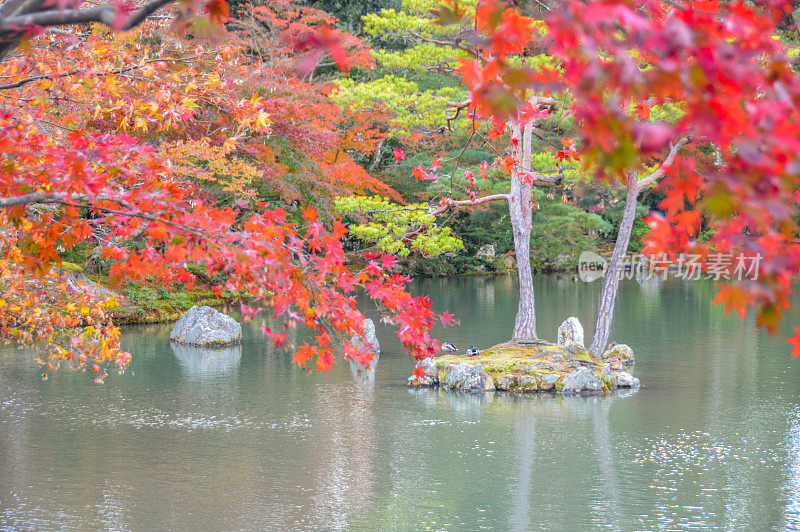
[(473, 351)]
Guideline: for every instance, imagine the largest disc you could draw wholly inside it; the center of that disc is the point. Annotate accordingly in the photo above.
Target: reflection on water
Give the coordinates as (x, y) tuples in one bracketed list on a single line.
[(364, 373), (792, 513), (204, 362), (241, 439)]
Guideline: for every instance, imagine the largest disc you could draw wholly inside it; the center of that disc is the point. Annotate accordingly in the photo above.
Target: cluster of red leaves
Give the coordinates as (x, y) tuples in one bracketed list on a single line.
[(89, 109), (297, 29), (114, 184), (740, 97)]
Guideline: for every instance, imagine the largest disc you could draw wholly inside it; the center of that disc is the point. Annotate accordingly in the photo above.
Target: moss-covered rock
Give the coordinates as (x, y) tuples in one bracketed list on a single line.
[(619, 351), (542, 367)]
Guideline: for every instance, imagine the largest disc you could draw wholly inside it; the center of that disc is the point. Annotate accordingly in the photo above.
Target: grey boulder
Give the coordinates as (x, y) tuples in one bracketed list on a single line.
[(428, 365), (582, 380), (206, 327), (517, 383), (626, 380), (469, 377), (547, 381), (367, 341), (570, 332), (621, 351)]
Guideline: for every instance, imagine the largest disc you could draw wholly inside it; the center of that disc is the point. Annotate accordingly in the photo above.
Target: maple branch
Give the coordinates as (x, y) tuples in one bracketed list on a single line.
[(459, 106), (448, 204), (19, 17), (655, 176), (471, 202), (547, 180), (58, 199), (451, 44), (35, 197), (68, 73), (106, 14)]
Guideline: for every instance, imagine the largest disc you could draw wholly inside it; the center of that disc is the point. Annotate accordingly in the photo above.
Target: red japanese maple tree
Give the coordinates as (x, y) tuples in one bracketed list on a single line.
[(105, 138), (726, 68)]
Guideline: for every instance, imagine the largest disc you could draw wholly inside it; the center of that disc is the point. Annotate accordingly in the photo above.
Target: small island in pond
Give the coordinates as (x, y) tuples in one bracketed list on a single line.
[(540, 367)]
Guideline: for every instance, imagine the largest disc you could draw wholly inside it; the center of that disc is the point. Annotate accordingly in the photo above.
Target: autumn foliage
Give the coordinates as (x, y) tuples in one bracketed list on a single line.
[(180, 145), (723, 64), (222, 149)]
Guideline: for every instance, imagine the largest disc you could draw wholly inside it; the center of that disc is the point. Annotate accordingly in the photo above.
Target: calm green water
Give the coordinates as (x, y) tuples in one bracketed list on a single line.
[(711, 441)]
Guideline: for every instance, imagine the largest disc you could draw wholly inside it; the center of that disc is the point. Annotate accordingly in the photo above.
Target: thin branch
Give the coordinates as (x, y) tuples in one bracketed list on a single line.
[(68, 73), (471, 202), (106, 14), (35, 197), (451, 44), (58, 199), (655, 176)]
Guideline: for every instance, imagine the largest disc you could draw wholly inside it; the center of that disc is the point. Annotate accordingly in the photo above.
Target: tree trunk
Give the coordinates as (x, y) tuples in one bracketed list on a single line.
[(519, 207), (611, 283)]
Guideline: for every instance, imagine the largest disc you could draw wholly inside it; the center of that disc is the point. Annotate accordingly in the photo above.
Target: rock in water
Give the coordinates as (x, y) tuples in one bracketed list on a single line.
[(206, 327), (469, 377), (620, 351), (570, 332), (369, 341), (547, 381), (517, 383), (626, 380), (428, 365), (582, 380)]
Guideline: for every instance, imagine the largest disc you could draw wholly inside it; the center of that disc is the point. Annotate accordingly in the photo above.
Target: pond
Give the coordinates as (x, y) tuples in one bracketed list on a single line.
[(245, 441)]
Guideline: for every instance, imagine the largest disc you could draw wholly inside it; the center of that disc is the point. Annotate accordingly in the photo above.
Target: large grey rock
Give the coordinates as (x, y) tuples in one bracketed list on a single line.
[(201, 362), (570, 332), (582, 380), (547, 381), (428, 365), (608, 373), (468, 377), (368, 341), (517, 383), (626, 380), (486, 252), (620, 351), (206, 327)]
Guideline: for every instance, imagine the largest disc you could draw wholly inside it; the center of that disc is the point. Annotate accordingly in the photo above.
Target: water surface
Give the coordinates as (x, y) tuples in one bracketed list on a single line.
[(244, 440)]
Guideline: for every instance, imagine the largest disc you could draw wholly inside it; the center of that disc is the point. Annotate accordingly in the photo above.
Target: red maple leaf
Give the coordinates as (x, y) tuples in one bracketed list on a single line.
[(795, 342), (310, 213), (304, 354), (447, 318)]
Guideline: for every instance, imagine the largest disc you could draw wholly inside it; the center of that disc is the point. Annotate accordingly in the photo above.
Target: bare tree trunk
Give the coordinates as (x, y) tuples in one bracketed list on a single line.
[(611, 283), (376, 158), (519, 207)]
